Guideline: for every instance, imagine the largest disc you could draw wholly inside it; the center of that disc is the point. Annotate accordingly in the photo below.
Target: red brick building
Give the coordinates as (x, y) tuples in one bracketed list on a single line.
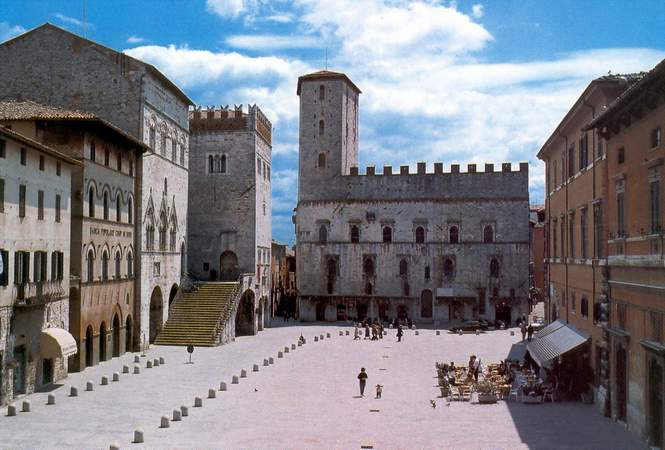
[(537, 237)]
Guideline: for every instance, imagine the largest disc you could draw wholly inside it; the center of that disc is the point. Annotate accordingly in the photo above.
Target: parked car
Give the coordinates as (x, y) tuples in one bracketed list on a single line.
[(471, 325)]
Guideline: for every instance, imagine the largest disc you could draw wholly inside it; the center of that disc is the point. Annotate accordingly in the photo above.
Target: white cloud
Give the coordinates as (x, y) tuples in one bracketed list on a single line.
[(268, 42), (477, 11), (8, 31), (280, 18), (73, 21), (135, 40), (227, 8)]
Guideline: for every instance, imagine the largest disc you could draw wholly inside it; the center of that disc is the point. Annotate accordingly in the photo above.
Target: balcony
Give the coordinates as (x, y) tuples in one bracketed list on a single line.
[(33, 295)]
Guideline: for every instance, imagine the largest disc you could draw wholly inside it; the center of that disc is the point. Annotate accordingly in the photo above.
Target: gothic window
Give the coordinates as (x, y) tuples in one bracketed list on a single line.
[(117, 265), (106, 206), (355, 234), (321, 128), (403, 268), (448, 268), (151, 139), (91, 202), (494, 268), (332, 269), (222, 162), (488, 234), (322, 92), (323, 234), (92, 151), (174, 150), (182, 154), (322, 160), (105, 265), (130, 265), (162, 141), (91, 266), (118, 211), (172, 239), (130, 211), (406, 289), (368, 267), (368, 289), (427, 273), (150, 237), (211, 164), (162, 237), (453, 235), (387, 234), (420, 235)]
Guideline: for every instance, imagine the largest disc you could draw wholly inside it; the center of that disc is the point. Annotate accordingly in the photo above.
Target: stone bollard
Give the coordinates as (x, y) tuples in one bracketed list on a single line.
[(265, 362), (438, 332), (25, 407), (328, 335), (222, 386), (116, 376), (280, 355), (137, 370), (243, 373), (234, 379), (212, 393), (164, 422), (162, 360), (89, 386), (417, 333), (316, 339), (11, 410), (155, 362), (299, 344), (50, 400), (255, 368), (347, 333), (321, 337), (341, 333), (271, 360), (293, 346), (177, 415), (184, 410), (105, 380), (137, 359), (138, 436), (286, 349), (148, 364), (512, 333), (477, 332), (73, 391), (114, 446), (460, 332), (125, 369), (198, 402)]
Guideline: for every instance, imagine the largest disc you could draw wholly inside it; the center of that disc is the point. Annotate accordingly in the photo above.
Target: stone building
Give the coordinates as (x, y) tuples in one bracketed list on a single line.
[(632, 126), (103, 223), (35, 211), (431, 247), (537, 256), (230, 200), (52, 66), (283, 270)]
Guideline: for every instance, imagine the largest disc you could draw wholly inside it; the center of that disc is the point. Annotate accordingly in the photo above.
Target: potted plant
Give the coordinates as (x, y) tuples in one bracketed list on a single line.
[(486, 392)]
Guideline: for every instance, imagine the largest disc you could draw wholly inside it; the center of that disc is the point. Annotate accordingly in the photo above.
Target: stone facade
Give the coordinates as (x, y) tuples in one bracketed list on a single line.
[(427, 246), (230, 199), (35, 211), (55, 67)]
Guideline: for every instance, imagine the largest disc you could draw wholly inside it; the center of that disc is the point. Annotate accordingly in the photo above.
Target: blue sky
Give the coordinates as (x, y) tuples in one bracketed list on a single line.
[(452, 81)]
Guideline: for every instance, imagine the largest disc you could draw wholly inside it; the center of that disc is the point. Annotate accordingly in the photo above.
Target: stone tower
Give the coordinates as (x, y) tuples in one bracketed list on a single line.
[(328, 130)]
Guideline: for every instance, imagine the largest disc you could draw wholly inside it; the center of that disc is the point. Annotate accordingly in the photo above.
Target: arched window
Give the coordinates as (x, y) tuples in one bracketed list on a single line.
[(322, 160), (172, 238), (117, 265), (130, 265), (427, 272), (448, 268), (151, 138), (93, 151), (174, 150), (332, 269), (387, 234), (211, 164), (406, 289), (223, 164), (584, 307), (166, 186), (322, 128), (106, 206), (162, 141), (91, 266), (494, 268), (368, 289), (420, 235), (105, 265), (322, 92), (488, 234), (453, 235), (162, 237), (150, 237), (91, 202), (355, 234), (368, 267), (130, 211), (323, 234), (182, 153), (118, 211), (403, 267), (217, 164)]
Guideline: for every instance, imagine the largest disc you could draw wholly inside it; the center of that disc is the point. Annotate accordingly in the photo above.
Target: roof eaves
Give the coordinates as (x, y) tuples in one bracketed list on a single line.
[(38, 146)]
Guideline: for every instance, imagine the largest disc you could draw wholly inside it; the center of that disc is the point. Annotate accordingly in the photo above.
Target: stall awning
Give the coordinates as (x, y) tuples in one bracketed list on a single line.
[(56, 342), (553, 341)]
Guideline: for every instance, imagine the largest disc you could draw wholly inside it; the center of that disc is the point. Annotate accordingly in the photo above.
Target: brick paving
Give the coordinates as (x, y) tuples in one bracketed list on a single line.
[(308, 399)]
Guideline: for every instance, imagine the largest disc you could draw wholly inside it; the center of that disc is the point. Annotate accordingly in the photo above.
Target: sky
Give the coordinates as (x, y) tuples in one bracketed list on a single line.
[(452, 81)]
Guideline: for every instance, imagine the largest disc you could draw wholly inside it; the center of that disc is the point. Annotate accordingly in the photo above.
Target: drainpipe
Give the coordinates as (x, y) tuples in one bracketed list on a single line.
[(564, 247)]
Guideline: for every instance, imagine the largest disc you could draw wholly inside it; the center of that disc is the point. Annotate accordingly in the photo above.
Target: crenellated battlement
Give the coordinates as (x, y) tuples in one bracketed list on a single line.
[(226, 118), (438, 169)]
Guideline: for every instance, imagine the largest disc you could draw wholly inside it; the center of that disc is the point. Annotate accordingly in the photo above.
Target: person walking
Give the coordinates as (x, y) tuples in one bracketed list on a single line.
[(400, 333), (362, 377), (366, 331), (529, 331), (356, 334), (523, 330)]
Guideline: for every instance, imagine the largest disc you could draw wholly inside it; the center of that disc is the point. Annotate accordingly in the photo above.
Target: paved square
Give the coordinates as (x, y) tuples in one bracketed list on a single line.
[(307, 399)]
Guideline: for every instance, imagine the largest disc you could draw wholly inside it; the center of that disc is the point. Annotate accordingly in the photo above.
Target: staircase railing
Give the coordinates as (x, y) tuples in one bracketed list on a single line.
[(234, 301)]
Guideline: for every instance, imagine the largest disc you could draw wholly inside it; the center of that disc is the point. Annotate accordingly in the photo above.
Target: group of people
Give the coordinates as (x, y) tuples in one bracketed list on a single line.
[(362, 379), (527, 330), (373, 330)]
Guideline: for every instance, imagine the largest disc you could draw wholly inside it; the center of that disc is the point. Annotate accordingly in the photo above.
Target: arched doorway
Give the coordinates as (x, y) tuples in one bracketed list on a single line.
[(156, 313), (116, 335), (228, 266), (262, 304), (129, 335), (172, 294), (102, 342), (89, 336), (503, 312), (426, 308), (245, 315)]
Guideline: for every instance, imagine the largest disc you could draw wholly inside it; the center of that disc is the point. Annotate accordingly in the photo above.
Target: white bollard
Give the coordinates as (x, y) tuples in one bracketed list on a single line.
[(293, 346), (164, 423), (212, 393), (477, 332), (438, 332), (155, 362), (347, 332), (265, 362), (222, 386), (11, 410), (460, 332), (148, 364), (417, 333), (255, 368), (243, 373), (137, 359), (105, 380), (125, 369), (198, 402), (280, 355), (50, 400), (286, 349), (138, 436), (271, 360), (73, 391), (116, 376), (177, 415), (25, 407), (234, 379), (137, 370), (184, 410), (89, 386), (162, 360), (328, 335)]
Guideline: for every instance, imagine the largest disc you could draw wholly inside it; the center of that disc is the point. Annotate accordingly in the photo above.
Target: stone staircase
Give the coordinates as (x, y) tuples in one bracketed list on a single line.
[(200, 317)]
